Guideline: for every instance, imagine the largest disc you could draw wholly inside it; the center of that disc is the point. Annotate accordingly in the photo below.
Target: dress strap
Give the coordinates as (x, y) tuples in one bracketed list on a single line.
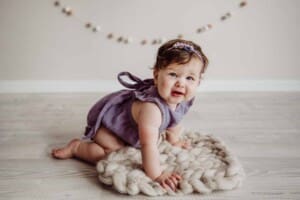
[(137, 84)]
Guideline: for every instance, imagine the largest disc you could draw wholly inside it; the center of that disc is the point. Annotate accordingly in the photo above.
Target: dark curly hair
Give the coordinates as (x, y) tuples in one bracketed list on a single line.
[(167, 55)]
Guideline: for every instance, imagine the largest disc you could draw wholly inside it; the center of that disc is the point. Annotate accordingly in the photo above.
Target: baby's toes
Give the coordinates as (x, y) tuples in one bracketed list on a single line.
[(62, 153)]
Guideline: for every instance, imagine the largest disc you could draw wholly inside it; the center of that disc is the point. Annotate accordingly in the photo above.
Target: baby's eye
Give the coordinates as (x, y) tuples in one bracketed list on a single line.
[(172, 74), (190, 78)]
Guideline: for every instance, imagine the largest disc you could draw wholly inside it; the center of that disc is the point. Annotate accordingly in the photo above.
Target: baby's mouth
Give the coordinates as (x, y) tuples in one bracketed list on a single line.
[(177, 93)]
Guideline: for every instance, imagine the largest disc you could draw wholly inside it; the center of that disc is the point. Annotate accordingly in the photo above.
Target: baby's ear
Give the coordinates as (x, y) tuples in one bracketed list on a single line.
[(199, 81), (155, 75), (200, 78)]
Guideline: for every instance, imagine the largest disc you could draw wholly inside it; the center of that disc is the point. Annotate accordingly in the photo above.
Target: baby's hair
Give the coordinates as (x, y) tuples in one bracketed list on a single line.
[(179, 51)]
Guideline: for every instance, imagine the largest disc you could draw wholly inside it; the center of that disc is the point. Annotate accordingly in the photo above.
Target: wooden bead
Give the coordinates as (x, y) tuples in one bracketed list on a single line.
[(110, 36), (154, 41), (130, 39), (127, 40), (243, 4), (96, 29), (88, 25), (56, 3), (200, 30), (143, 42), (227, 15), (67, 10), (120, 39)]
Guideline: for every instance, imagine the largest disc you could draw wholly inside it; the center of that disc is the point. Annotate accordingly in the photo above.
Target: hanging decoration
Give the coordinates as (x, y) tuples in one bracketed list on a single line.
[(68, 11)]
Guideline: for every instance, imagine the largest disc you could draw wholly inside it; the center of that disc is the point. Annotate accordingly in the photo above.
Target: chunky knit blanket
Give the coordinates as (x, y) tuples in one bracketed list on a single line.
[(206, 167)]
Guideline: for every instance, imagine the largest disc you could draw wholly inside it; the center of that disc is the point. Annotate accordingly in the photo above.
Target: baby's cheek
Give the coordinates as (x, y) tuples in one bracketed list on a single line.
[(191, 93), (166, 85), (165, 82)]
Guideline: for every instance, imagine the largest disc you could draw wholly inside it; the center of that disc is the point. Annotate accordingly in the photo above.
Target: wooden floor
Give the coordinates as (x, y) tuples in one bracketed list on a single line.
[(262, 129)]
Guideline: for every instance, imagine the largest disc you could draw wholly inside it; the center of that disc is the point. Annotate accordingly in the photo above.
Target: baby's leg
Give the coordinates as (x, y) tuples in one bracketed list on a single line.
[(84, 150), (108, 140), (104, 142), (66, 151)]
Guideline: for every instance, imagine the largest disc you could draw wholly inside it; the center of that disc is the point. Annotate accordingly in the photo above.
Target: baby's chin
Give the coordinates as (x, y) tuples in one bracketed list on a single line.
[(175, 102)]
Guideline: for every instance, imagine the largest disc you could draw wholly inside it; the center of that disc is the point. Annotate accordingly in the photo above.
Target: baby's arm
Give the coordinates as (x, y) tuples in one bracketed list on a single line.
[(173, 136), (149, 120)]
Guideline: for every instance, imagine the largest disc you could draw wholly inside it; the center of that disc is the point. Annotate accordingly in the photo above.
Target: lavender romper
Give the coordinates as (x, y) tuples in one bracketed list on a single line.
[(114, 110)]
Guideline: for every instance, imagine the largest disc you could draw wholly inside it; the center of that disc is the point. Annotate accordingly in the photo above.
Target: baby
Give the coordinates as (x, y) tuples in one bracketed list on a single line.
[(139, 115)]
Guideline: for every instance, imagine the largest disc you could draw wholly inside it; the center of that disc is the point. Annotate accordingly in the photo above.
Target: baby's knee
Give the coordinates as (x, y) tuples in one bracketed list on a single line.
[(96, 151)]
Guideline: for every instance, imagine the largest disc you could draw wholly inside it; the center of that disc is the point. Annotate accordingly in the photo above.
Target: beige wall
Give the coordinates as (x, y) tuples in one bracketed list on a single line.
[(37, 42)]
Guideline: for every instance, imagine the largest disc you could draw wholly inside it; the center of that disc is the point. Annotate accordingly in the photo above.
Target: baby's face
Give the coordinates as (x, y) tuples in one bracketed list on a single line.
[(178, 82)]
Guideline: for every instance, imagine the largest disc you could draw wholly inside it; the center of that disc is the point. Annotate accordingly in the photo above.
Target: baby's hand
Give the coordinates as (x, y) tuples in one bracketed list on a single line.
[(169, 180), (186, 144)]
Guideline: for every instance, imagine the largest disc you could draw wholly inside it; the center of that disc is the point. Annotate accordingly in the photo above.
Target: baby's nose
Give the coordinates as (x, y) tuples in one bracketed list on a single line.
[(180, 82)]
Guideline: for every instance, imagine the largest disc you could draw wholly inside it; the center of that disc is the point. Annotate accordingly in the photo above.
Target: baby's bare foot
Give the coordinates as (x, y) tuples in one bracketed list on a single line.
[(67, 151)]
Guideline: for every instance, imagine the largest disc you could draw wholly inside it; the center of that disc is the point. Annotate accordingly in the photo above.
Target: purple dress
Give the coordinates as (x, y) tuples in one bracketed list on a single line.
[(114, 110)]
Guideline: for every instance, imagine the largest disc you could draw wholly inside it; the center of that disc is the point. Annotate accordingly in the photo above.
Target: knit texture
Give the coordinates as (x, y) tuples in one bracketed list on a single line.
[(206, 167)]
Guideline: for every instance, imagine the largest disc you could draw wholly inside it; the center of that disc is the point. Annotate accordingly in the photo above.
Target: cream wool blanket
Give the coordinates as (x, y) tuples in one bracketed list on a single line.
[(206, 167)]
